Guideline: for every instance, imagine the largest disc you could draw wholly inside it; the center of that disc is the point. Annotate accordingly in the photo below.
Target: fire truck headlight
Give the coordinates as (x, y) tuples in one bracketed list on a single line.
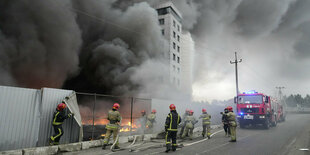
[(261, 116)]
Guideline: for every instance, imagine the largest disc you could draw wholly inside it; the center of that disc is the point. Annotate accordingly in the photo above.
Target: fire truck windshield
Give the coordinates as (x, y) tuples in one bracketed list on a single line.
[(258, 99)]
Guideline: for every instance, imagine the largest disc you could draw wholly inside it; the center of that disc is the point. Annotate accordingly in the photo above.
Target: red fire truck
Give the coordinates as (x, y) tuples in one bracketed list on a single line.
[(256, 108)]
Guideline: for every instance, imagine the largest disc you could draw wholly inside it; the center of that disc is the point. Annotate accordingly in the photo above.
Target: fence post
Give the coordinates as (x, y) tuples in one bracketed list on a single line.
[(92, 134), (131, 110)]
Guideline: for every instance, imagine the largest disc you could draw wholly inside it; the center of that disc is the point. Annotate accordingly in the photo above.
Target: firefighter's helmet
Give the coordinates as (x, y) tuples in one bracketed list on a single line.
[(154, 111), (191, 112), (116, 106), (61, 106), (229, 108), (204, 110), (172, 107)]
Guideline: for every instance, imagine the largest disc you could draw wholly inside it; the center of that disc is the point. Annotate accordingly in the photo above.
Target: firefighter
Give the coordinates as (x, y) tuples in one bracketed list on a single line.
[(182, 125), (142, 121), (226, 123), (190, 122), (115, 119), (231, 117), (58, 119), (206, 123), (151, 120), (171, 127)]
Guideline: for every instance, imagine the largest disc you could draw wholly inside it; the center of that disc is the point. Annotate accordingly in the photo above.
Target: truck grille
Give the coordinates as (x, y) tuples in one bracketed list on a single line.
[(250, 110)]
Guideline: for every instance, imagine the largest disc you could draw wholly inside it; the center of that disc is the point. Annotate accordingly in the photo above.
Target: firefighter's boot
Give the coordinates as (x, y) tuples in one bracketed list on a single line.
[(51, 141), (103, 147), (116, 147), (174, 147), (168, 148), (203, 135)]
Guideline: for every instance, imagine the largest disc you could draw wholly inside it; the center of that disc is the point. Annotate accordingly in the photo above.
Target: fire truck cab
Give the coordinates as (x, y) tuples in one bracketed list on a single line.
[(256, 108)]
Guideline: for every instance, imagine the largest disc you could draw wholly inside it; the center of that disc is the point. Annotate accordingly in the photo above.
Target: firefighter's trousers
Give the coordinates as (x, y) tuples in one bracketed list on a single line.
[(233, 132), (182, 130), (108, 135), (58, 133), (171, 136), (226, 129), (206, 127), (188, 131)]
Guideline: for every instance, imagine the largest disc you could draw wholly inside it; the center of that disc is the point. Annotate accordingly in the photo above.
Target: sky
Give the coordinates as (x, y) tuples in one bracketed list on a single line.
[(271, 37), (112, 46)]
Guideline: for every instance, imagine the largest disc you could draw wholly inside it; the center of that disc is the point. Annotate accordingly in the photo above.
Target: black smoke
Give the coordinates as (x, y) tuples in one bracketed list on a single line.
[(92, 46)]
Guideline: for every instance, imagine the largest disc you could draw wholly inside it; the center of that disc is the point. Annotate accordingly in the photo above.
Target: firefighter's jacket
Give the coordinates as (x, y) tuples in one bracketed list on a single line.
[(231, 117), (183, 119), (115, 118), (150, 120), (172, 121), (205, 118), (190, 121), (59, 117)]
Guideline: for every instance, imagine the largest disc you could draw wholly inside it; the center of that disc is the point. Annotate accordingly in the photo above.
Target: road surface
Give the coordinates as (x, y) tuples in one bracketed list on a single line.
[(287, 138)]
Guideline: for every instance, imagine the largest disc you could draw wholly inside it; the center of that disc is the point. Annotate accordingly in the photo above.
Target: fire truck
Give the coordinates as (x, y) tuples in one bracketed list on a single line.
[(256, 108)]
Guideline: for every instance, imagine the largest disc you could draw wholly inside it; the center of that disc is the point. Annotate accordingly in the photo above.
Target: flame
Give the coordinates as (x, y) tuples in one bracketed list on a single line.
[(124, 130), (125, 125), (102, 135)]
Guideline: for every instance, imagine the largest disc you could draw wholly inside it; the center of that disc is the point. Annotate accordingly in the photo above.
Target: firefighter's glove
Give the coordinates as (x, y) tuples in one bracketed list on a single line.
[(70, 114)]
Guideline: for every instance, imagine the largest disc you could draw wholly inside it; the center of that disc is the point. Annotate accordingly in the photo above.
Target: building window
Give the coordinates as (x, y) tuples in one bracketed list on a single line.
[(161, 21), (163, 32), (173, 23), (178, 70), (178, 82), (178, 48), (178, 28), (178, 38), (173, 79), (173, 56), (162, 11), (178, 59), (173, 34), (173, 67), (173, 45)]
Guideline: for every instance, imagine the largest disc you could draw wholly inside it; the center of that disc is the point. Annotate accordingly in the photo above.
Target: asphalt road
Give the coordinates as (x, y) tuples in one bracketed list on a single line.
[(287, 138)]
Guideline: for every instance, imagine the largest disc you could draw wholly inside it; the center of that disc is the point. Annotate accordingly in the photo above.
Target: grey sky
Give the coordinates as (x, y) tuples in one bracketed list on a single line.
[(47, 43)]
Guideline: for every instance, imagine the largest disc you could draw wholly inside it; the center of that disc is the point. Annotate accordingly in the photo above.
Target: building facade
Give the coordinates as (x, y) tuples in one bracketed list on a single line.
[(170, 20)]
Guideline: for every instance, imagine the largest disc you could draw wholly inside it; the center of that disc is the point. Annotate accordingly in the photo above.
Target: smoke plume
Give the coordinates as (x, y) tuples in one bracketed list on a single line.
[(115, 46)]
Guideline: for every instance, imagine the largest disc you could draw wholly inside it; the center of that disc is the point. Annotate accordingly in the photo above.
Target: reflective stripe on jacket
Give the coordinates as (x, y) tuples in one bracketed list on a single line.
[(114, 117), (59, 117), (205, 118), (172, 121)]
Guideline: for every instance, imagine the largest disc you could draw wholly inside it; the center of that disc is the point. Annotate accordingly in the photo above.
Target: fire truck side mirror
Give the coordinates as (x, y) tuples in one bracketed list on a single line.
[(235, 100), (267, 99)]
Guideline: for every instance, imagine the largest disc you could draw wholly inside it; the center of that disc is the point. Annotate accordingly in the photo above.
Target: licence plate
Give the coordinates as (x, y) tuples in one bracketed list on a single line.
[(248, 117)]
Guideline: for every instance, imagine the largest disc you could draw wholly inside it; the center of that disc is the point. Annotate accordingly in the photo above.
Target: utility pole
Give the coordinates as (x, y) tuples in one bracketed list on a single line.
[(236, 68), (280, 92)]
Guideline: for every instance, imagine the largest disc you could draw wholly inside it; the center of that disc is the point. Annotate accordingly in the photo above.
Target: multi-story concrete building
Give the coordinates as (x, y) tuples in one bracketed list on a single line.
[(170, 20)]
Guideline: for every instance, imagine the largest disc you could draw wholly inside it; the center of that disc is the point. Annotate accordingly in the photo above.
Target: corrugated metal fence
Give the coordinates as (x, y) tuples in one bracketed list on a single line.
[(26, 116)]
